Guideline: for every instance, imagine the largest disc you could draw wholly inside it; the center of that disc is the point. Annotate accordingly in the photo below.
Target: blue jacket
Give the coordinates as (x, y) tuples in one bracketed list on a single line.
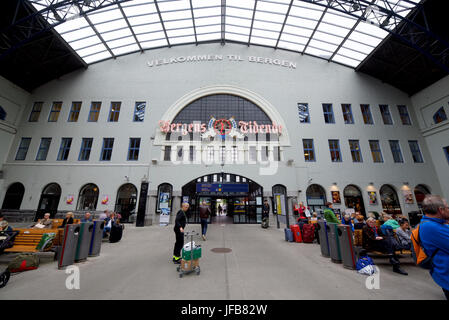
[(434, 233)]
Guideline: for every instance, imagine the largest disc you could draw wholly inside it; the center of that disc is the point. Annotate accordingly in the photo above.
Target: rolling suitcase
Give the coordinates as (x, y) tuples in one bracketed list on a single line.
[(308, 233), (288, 235), (296, 233)]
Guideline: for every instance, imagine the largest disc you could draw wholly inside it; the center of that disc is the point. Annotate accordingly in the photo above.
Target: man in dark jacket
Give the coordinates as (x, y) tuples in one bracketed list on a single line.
[(180, 224)]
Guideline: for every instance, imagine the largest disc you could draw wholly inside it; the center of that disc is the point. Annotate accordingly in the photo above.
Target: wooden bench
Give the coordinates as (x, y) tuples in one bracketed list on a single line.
[(358, 242), (58, 222), (28, 239)]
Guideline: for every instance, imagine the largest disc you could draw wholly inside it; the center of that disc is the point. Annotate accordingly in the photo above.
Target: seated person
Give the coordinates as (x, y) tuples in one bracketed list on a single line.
[(44, 223), (347, 221), (4, 225), (404, 234), (314, 218), (373, 240), (108, 224), (87, 217), (389, 224), (67, 220), (359, 222)]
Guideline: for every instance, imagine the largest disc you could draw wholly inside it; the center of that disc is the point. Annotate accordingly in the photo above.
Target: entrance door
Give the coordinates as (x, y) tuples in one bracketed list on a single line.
[(126, 201), (49, 201)]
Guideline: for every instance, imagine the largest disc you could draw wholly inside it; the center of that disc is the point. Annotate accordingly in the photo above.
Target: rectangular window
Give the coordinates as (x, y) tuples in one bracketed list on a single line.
[(94, 111), (334, 148), (264, 153), (403, 113), (328, 113), (210, 154), (386, 115), (375, 151), (86, 146), (192, 153), (43, 149), (356, 153), (74, 112), (366, 114), (133, 151), (179, 154), (114, 112), (347, 113), (309, 152), (167, 153), (396, 151), (234, 154), (222, 154), (446, 152), (106, 150), (23, 149), (54, 112), (303, 110), (35, 112), (139, 111), (252, 154), (277, 153), (64, 149), (416, 152)]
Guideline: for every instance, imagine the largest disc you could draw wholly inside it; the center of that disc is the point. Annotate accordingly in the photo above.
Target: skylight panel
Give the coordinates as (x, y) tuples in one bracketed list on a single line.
[(328, 38), (151, 36), (244, 13), (248, 4), (267, 25), (71, 25), (291, 46), (362, 47), (206, 11), (179, 24), (323, 45), (263, 41), (97, 57), (332, 29), (120, 42), (306, 10), (264, 33), (237, 29), (139, 9), (91, 50), (339, 20), (126, 49), (238, 22), (109, 26), (296, 37), (318, 52), (346, 61), (294, 21), (351, 54), (116, 34), (208, 36), (107, 14), (180, 32), (83, 43), (144, 19), (78, 34), (183, 39), (300, 32), (149, 28), (207, 21), (156, 43)]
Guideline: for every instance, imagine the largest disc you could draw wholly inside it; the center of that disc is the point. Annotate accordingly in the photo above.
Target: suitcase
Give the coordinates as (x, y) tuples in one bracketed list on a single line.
[(288, 235), (296, 233), (308, 233), (116, 233)]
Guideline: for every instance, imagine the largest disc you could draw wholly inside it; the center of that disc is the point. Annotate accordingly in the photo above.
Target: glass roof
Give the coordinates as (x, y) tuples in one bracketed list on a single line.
[(299, 26)]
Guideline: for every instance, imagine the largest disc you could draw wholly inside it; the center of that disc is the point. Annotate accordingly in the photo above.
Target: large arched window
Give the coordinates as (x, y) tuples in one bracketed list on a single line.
[(354, 199), (420, 192), (316, 198), (126, 201), (390, 200), (49, 200), (225, 107), (88, 197), (14, 196)]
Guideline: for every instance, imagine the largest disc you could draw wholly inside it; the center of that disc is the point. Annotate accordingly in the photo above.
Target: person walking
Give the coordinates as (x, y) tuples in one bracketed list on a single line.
[(180, 224), (204, 216), (434, 235), (265, 213), (329, 214)]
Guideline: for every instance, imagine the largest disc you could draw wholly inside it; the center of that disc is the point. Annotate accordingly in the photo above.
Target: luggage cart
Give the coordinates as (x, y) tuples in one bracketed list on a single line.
[(196, 269)]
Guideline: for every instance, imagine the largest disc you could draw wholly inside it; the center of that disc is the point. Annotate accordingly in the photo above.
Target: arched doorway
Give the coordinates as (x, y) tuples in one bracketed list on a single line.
[(49, 201), (231, 197), (420, 192), (316, 198), (126, 201), (88, 197), (354, 199), (13, 196), (390, 200), (279, 203)]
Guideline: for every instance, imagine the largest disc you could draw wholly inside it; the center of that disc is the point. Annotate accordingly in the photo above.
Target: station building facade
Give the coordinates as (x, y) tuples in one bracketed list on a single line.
[(144, 132)]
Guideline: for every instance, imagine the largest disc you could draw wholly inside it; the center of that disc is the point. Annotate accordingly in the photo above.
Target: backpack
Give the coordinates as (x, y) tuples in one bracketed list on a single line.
[(420, 257), (24, 262)]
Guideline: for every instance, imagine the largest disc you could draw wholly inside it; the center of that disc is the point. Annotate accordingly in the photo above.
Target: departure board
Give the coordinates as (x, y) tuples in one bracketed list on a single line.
[(222, 188)]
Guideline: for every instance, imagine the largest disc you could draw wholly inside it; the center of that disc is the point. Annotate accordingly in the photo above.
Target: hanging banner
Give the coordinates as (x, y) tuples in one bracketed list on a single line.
[(69, 199), (408, 196)]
